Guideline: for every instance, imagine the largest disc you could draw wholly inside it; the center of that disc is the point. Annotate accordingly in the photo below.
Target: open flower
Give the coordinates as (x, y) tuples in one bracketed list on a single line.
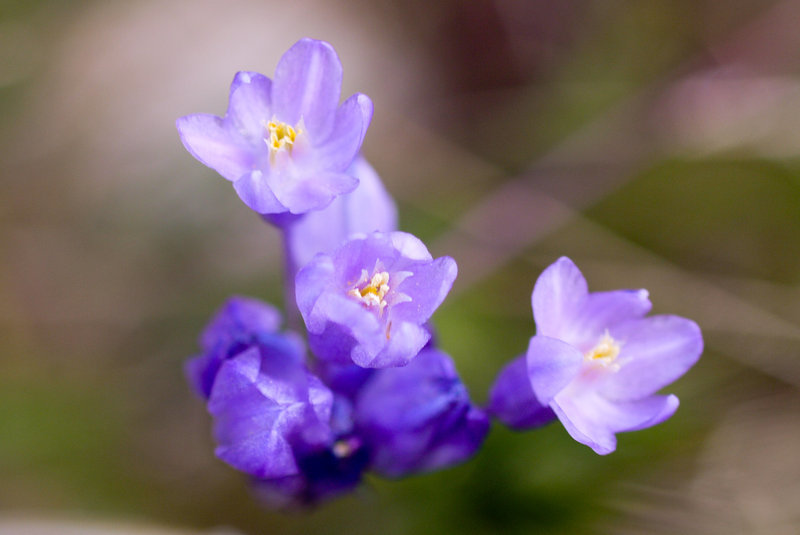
[(596, 361), (285, 143), (368, 300)]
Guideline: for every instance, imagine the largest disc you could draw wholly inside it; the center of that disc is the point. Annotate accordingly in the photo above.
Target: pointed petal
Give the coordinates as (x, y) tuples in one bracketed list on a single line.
[(249, 105), (592, 419), (642, 413), (307, 84), (352, 119), (584, 428), (215, 144), (410, 246), (655, 352), (552, 365), (557, 297), (427, 287), (403, 341), (256, 193)]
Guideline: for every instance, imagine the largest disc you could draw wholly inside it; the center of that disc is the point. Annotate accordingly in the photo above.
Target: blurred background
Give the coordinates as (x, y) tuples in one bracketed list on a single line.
[(655, 143)]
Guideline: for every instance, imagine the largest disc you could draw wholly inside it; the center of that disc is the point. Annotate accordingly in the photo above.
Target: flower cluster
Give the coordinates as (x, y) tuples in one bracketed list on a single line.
[(366, 388)]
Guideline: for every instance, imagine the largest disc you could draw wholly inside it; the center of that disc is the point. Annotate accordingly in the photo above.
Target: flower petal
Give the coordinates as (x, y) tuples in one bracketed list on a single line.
[(655, 352), (552, 365), (216, 144), (331, 291), (350, 126), (314, 192), (584, 427), (403, 341), (200, 371), (249, 104), (307, 84), (309, 284), (367, 208), (419, 417), (557, 297), (256, 193), (512, 401), (250, 428), (427, 288), (237, 318), (642, 413), (592, 419), (339, 308), (602, 311), (410, 246)]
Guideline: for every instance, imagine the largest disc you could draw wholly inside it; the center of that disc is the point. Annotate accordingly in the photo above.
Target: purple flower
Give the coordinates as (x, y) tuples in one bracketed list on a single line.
[(273, 418), (241, 323), (368, 208), (302, 443), (418, 418), (285, 143), (368, 300), (266, 407), (596, 361)]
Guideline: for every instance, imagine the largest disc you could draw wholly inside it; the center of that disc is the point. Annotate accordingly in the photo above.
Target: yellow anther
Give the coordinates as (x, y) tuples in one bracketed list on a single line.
[(372, 294), (605, 352), (281, 136)]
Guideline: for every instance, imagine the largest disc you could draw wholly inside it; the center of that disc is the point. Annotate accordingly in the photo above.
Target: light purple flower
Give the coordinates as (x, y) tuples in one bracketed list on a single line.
[(285, 143), (368, 300), (368, 208), (596, 361), (418, 418)]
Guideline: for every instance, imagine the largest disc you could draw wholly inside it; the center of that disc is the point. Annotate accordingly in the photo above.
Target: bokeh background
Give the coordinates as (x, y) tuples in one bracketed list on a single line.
[(656, 143)]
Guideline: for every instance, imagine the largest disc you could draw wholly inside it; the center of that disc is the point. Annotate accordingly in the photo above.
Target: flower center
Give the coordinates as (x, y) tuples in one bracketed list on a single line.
[(605, 352), (280, 136), (373, 292), (345, 447)]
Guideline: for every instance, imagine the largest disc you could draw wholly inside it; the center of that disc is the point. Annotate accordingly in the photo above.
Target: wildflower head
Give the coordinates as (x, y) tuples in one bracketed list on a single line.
[(285, 143), (368, 301), (595, 362)]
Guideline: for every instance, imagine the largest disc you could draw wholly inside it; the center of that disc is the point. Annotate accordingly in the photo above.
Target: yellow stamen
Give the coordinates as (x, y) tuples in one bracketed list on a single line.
[(372, 294), (605, 352), (281, 136)]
